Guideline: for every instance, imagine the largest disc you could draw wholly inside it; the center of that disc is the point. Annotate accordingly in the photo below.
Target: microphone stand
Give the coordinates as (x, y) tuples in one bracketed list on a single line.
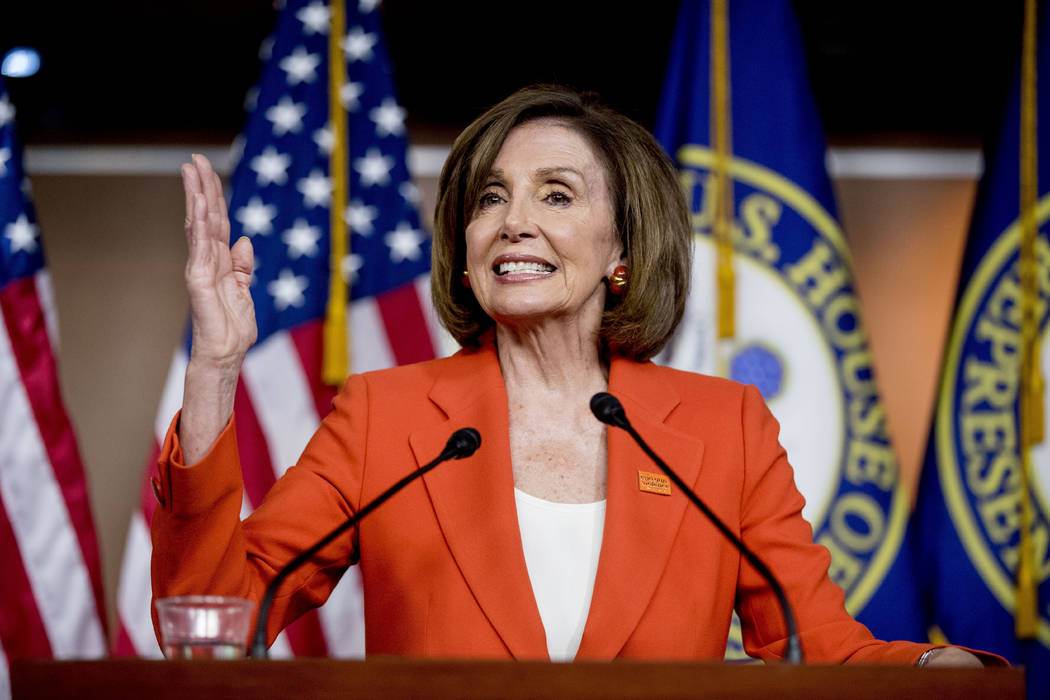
[(463, 443), (608, 409)]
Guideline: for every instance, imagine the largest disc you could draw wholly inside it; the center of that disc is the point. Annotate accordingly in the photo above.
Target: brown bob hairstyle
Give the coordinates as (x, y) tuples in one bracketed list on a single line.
[(650, 215)]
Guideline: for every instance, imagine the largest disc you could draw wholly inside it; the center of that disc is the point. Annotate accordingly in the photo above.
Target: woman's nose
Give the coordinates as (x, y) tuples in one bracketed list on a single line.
[(518, 222)]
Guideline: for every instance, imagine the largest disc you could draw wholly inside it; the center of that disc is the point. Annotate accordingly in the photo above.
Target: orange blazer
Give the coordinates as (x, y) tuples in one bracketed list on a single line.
[(441, 562)]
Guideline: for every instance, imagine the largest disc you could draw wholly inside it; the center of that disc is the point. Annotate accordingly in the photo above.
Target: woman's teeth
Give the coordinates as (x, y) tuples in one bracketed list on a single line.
[(510, 267)]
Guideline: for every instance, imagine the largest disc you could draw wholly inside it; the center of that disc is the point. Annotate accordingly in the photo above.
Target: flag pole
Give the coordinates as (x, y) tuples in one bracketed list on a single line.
[(722, 144), (1026, 613), (336, 359)]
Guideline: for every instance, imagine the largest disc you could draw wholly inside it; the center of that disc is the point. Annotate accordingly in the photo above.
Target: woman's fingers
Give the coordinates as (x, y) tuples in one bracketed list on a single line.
[(210, 184), (243, 258), (191, 185)]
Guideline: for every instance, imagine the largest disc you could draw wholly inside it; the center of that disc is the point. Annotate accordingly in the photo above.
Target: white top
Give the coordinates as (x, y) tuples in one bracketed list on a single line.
[(561, 543)]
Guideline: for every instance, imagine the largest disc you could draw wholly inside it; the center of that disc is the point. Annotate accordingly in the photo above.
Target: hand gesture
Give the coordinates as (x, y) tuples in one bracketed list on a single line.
[(221, 310), (217, 276)]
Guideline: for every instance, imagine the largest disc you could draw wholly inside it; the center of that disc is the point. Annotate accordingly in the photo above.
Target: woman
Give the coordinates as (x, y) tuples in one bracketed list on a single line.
[(561, 259)]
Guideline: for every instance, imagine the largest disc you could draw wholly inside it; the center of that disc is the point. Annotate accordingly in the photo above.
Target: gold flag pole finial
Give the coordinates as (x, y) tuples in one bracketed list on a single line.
[(1031, 385), (336, 358), (723, 182)]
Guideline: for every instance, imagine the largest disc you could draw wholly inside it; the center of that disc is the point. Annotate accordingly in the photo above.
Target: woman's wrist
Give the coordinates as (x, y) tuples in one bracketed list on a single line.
[(207, 404), (924, 659)]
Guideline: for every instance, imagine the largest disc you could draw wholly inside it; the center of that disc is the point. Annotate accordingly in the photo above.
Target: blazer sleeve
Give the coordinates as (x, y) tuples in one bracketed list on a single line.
[(773, 526), (201, 546)]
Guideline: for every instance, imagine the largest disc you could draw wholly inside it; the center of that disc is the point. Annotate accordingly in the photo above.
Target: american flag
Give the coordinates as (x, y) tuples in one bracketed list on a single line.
[(281, 197), (50, 579)]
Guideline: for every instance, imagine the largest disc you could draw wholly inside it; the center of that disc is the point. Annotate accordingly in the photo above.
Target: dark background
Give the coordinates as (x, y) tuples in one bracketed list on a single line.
[(889, 72)]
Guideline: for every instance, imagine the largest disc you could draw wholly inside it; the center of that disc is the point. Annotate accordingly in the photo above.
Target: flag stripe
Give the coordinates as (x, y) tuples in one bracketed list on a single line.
[(37, 511), (371, 349), (171, 396), (122, 645), (30, 342), (21, 627), (405, 324), (5, 681), (45, 294), (133, 599), (258, 473), (276, 383), (307, 339), (440, 339)]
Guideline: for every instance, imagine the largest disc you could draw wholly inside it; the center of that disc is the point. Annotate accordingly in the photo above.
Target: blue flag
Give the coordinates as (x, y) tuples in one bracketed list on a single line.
[(798, 334), (968, 510)]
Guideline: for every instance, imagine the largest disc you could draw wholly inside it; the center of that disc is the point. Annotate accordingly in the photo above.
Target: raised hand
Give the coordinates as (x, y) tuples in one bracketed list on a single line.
[(217, 277), (221, 310)]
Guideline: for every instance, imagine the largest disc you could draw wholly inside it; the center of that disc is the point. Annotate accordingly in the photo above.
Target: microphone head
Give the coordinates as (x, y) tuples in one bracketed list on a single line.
[(608, 409), (463, 443)]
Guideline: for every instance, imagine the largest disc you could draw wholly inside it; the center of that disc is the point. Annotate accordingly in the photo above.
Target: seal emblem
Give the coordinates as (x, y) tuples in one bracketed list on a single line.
[(800, 341)]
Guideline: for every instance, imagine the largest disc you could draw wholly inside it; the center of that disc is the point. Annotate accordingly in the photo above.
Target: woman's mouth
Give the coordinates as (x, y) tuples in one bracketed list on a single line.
[(522, 267)]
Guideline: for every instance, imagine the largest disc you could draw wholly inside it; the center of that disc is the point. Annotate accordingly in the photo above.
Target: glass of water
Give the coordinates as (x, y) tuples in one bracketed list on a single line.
[(204, 626)]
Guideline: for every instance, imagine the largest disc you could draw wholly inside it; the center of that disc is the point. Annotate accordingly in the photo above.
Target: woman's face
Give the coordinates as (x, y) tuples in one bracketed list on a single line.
[(541, 236)]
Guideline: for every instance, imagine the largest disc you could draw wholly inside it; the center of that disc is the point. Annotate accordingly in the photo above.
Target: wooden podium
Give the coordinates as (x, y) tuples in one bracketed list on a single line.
[(405, 678)]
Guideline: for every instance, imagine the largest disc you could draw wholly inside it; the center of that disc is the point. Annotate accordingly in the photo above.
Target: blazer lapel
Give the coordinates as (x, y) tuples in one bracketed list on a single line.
[(640, 527), (475, 506)]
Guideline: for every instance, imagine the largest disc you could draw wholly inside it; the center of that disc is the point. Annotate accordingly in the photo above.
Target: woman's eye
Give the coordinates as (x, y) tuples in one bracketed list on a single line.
[(489, 199), (559, 198)]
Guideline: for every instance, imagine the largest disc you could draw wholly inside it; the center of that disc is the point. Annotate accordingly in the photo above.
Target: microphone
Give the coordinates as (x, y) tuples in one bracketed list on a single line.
[(608, 409), (463, 443)]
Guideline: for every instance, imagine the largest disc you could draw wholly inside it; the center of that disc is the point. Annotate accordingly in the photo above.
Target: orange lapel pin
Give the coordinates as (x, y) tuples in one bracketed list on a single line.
[(654, 483)]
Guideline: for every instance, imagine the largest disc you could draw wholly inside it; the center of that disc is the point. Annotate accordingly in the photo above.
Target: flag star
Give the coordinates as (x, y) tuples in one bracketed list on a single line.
[(256, 217), (22, 235), (301, 239), (7, 110), (301, 66), (287, 290), (374, 168), (266, 48), (389, 118), (351, 265), (409, 192), (286, 116), (358, 44), (367, 6), (256, 264), (271, 167), (404, 242), (359, 217), (5, 155), (349, 94), (314, 17), (316, 189), (325, 140)]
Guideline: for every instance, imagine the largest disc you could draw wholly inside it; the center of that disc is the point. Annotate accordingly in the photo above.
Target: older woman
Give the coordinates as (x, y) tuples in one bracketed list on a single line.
[(561, 257)]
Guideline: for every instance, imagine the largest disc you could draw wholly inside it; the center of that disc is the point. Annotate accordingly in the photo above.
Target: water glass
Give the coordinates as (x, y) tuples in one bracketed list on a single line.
[(204, 627)]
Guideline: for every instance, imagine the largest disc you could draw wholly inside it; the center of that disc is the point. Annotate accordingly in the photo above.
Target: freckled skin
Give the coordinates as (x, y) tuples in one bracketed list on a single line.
[(547, 201)]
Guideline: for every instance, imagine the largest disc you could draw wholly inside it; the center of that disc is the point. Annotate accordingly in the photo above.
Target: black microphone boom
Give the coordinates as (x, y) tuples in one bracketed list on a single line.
[(608, 409), (463, 443)]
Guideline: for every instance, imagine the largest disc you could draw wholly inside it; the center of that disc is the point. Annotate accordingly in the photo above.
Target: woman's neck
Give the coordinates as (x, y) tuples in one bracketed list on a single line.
[(551, 358)]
